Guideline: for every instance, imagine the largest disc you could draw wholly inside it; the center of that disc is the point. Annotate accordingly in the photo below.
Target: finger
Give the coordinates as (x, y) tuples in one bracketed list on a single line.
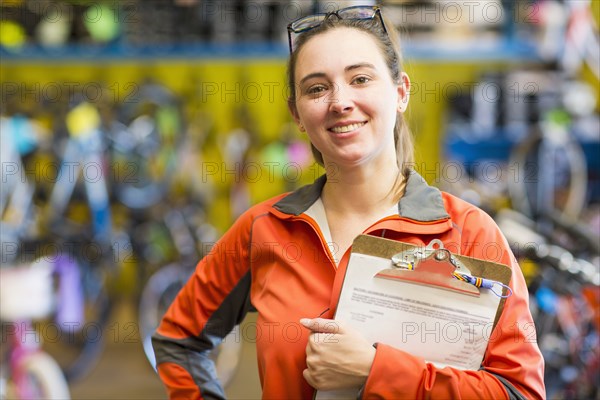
[(321, 325), (307, 376)]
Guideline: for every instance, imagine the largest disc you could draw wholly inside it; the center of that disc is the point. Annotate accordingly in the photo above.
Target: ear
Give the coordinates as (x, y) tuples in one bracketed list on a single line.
[(294, 112), (403, 92)]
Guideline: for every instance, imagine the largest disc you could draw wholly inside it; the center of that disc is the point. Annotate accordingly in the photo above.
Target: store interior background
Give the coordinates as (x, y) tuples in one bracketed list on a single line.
[(179, 109)]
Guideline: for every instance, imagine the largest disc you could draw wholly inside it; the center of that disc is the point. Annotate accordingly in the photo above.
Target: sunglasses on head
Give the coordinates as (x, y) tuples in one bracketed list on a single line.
[(309, 22)]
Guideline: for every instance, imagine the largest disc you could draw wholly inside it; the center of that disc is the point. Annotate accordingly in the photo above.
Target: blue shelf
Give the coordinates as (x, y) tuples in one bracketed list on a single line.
[(504, 50), (474, 51), (468, 153), (498, 148), (123, 52)]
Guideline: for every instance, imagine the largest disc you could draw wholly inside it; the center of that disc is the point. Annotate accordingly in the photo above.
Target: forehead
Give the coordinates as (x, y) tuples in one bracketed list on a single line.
[(339, 47)]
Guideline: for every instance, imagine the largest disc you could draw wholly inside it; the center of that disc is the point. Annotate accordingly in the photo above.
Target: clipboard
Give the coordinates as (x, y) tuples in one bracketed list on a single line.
[(425, 311), (386, 249)]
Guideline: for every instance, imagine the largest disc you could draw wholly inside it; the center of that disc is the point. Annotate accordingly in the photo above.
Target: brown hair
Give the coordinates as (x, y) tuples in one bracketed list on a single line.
[(390, 49)]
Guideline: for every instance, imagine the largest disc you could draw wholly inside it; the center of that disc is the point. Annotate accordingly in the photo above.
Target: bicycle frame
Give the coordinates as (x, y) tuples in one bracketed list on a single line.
[(31, 372), (84, 149)]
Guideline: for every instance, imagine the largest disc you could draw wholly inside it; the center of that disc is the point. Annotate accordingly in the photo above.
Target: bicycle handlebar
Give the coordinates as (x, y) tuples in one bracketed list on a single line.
[(518, 232)]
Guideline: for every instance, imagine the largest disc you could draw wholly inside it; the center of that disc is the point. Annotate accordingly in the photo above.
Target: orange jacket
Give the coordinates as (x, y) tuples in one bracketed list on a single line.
[(276, 259)]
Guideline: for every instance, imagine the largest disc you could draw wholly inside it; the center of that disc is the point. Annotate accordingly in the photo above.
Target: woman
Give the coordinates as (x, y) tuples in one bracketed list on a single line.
[(285, 256)]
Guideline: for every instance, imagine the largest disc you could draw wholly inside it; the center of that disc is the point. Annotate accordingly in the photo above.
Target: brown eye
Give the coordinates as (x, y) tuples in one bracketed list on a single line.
[(316, 89), (361, 80)]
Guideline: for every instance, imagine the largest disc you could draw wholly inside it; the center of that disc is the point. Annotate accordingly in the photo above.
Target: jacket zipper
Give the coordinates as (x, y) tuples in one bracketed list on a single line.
[(315, 227)]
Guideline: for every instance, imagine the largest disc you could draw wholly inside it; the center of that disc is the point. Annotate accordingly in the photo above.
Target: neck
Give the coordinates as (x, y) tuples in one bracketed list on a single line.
[(361, 190)]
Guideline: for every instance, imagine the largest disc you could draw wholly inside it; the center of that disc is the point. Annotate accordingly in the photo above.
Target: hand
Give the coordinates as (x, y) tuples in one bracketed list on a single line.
[(337, 357)]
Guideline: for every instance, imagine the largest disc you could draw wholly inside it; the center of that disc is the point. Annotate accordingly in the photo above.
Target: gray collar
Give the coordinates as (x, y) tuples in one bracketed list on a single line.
[(420, 202)]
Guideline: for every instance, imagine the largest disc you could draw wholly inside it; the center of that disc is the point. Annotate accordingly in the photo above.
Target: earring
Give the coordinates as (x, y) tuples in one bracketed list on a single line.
[(403, 105), (301, 127)]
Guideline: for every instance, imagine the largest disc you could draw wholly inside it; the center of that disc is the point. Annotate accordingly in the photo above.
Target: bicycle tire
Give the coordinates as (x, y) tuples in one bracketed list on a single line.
[(44, 376), (156, 296), (158, 293), (521, 197), (90, 350)]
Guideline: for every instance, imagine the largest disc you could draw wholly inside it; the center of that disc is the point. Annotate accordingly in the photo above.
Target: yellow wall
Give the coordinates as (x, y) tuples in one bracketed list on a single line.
[(261, 84)]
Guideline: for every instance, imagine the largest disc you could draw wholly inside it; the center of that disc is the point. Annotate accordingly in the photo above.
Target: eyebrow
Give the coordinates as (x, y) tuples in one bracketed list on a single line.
[(347, 69)]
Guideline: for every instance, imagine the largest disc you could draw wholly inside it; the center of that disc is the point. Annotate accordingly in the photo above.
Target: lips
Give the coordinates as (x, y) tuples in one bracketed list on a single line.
[(343, 128)]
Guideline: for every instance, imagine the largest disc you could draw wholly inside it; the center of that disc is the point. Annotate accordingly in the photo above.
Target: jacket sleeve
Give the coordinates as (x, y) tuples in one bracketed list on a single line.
[(512, 367), (213, 301)]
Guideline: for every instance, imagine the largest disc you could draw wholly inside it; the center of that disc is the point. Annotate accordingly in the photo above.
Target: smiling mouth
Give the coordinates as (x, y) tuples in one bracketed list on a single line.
[(347, 128)]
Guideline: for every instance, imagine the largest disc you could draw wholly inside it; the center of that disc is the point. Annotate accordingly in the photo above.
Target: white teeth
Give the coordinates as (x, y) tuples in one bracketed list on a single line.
[(347, 128)]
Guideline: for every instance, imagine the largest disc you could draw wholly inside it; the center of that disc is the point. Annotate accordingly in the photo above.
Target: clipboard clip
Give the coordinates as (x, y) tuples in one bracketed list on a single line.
[(408, 259), (434, 265)]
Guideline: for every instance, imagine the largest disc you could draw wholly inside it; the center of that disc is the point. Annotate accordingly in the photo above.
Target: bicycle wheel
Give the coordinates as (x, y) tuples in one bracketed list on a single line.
[(40, 377), (157, 296), (548, 169)]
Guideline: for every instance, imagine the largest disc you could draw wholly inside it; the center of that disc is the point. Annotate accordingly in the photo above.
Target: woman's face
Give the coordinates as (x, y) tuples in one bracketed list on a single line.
[(346, 99)]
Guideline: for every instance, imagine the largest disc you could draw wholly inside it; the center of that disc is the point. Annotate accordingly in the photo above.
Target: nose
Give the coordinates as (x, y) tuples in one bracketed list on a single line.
[(340, 100)]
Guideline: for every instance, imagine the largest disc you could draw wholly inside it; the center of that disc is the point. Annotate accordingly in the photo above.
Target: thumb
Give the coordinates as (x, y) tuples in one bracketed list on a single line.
[(321, 325)]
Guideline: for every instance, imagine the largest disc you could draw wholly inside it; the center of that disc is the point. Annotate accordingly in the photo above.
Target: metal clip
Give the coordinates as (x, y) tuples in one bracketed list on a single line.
[(409, 259)]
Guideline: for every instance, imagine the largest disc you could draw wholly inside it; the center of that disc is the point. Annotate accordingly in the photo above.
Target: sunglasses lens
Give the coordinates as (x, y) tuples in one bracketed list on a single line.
[(357, 13), (307, 23), (312, 21)]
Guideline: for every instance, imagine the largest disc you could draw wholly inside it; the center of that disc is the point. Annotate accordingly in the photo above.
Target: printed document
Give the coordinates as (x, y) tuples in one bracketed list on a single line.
[(444, 327)]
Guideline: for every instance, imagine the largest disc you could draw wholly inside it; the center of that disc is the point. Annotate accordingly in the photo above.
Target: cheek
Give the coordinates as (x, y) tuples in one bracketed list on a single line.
[(311, 111), (380, 109), (388, 107)]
